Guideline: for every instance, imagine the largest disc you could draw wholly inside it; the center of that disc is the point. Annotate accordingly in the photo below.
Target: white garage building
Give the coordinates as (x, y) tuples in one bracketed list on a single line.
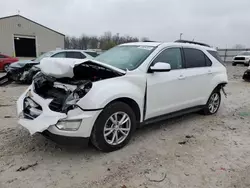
[(22, 37)]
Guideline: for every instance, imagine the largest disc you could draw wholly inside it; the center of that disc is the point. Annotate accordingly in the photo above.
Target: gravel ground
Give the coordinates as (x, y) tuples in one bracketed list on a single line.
[(189, 151)]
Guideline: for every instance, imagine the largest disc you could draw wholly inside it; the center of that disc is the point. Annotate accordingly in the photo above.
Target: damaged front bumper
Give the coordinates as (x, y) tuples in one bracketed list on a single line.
[(36, 116), (22, 75)]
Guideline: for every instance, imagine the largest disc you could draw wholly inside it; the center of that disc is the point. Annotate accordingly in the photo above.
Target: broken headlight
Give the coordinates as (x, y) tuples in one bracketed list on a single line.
[(75, 96)]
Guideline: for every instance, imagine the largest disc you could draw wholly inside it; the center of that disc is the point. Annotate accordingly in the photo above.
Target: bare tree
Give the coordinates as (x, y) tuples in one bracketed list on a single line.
[(105, 41), (143, 39), (239, 46)]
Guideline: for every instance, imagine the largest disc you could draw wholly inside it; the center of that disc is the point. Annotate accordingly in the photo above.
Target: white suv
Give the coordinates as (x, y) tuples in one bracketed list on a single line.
[(105, 99), (242, 58)]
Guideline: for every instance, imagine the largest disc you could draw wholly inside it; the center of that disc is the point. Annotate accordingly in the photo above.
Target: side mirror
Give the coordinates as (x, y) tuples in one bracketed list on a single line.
[(160, 67)]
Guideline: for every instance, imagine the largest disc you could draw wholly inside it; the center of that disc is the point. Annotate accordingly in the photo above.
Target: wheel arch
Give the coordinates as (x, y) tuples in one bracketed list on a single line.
[(217, 88), (132, 104)]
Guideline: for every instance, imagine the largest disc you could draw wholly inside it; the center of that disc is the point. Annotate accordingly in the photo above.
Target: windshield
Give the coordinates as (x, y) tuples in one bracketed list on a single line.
[(125, 57), (245, 53), (48, 54)]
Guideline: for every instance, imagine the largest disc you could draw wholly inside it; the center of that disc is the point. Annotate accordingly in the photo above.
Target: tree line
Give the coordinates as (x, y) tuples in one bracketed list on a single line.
[(104, 42)]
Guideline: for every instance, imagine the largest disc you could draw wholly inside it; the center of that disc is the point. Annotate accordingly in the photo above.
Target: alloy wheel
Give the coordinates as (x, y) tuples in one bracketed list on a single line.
[(117, 128), (214, 103)]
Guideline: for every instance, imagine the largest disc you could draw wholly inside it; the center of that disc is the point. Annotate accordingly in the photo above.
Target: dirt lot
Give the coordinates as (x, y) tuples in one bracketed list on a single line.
[(190, 151)]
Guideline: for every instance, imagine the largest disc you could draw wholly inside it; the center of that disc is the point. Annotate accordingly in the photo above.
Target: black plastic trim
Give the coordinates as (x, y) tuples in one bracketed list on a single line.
[(145, 101), (172, 115), (90, 110), (65, 140)]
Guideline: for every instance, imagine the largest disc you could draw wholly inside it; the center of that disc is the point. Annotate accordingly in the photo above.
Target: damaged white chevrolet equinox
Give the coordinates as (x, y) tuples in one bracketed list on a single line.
[(104, 100)]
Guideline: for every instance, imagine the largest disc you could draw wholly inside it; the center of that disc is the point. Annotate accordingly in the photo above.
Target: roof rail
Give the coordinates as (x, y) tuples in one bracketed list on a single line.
[(192, 42), (148, 41)]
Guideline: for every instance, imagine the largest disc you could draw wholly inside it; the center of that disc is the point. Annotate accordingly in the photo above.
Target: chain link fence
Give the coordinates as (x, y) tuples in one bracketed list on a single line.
[(228, 54)]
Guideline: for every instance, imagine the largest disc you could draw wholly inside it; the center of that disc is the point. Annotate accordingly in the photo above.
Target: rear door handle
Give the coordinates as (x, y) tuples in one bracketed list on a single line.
[(181, 77)]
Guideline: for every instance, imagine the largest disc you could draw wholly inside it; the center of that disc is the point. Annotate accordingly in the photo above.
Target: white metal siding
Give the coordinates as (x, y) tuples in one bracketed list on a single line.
[(46, 39)]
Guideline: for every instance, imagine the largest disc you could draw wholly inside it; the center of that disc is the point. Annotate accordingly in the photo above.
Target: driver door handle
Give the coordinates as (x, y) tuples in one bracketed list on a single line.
[(181, 77)]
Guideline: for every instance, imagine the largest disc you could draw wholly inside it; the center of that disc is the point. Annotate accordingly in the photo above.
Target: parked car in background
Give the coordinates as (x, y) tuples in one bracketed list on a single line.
[(24, 70), (242, 58), (5, 61), (105, 99)]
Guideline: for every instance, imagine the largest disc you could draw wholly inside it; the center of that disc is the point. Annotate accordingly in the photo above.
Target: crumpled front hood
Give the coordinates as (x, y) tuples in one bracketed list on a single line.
[(64, 67), (20, 64)]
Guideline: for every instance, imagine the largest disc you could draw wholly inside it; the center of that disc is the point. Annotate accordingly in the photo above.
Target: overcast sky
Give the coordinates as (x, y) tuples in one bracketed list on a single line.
[(217, 22)]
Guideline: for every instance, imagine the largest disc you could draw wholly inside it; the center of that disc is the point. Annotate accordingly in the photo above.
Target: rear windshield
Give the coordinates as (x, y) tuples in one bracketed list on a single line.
[(216, 55)]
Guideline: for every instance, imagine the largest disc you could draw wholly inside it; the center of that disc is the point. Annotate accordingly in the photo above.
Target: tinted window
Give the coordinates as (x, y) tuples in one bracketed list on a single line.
[(208, 61), (1, 56), (75, 55), (215, 55), (93, 54), (194, 58), (61, 54), (171, 56)]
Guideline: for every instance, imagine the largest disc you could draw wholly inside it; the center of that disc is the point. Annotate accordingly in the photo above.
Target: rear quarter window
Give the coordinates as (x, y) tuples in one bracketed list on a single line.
[(216, 55)]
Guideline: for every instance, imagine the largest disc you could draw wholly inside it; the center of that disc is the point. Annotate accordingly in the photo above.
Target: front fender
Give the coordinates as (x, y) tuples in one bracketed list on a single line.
[(105, 91)]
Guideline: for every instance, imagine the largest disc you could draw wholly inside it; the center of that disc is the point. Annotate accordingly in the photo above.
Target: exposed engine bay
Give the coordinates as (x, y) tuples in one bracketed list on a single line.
[(66, 92)]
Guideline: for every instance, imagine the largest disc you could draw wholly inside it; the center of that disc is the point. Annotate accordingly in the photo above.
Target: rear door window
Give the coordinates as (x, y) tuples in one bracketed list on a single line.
[(194, 58), (75, 55), (60, 55), (208, 61)]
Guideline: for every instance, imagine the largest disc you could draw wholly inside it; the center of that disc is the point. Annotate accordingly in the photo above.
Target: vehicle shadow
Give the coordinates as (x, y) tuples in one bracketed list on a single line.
[(18, 141)]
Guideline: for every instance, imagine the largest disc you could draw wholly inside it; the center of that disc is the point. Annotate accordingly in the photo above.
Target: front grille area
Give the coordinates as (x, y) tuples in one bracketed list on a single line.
[(44, 87), (31, 109), (56, 105), (239, 58)]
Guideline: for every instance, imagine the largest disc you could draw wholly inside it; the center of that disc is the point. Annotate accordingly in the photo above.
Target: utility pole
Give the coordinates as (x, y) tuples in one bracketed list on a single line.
[(181, 35)]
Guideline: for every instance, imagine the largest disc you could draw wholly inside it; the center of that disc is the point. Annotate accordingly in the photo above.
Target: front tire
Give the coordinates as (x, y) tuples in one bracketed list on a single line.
[(213, 103), (114, 127), (5, 68)]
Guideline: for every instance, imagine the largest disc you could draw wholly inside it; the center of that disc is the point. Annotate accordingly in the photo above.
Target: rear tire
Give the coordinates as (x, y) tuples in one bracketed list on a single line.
[(109, 134), (234, 64), (213, 103)]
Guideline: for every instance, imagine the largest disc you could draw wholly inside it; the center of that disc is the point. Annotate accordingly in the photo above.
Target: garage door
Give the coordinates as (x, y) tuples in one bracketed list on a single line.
[(25, 46)]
